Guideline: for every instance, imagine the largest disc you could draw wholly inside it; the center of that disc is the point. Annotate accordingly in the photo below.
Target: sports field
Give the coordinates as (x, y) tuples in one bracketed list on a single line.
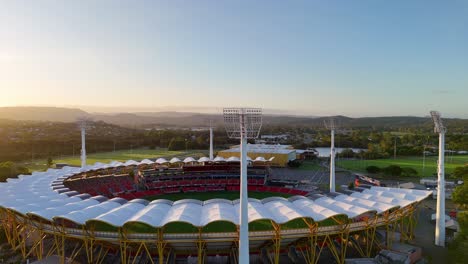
[(121, 155), (451, 162)]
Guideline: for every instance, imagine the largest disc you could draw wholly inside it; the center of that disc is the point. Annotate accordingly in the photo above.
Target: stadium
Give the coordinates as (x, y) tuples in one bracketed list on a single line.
[(117, 213)]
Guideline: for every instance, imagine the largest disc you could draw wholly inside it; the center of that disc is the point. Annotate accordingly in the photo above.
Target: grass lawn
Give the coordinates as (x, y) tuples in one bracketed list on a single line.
[(310, 165), (451, 162), (121, 155)]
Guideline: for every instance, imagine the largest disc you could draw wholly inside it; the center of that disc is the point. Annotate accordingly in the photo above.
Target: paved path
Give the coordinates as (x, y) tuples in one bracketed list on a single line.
[(425, 233)]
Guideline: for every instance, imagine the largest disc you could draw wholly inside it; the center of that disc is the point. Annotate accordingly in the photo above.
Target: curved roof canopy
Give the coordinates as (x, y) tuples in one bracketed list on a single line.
[(233, 159), (147, 161), (219, 159), (189, 159), (175, 160), (260, 159), (161, 161), (36, 197), (204, 159)]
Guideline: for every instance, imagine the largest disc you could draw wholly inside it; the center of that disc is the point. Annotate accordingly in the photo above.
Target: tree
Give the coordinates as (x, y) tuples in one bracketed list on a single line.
[(9, 169), (347, 153), (176, 144), (50, 162), (457, 248), (460, 172), (460, 194)]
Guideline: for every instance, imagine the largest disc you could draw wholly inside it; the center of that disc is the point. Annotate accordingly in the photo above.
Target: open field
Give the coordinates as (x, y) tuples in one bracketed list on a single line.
[(121, 155), (451, 162)]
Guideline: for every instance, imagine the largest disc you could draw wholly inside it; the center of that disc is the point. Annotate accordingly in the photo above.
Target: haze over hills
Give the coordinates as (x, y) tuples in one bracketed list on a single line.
[(187, 119)]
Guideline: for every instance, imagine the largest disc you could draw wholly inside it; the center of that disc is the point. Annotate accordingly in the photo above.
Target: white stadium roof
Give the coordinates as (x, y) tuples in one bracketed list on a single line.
[(37, 196)]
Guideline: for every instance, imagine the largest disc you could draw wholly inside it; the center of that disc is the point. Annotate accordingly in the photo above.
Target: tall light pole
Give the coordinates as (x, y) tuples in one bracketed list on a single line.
[(440, 213), (424, 161), (211, 141), (83, 122), (331, 125), (243, 123)]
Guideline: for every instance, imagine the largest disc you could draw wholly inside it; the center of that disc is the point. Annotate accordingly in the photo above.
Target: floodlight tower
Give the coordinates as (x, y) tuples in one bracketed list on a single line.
[(331, 125), (211, 140), (440, 213), (243, 123), (83, 123)]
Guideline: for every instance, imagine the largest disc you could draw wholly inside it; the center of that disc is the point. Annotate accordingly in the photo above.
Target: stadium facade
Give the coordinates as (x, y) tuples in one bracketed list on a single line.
[(42, 217)]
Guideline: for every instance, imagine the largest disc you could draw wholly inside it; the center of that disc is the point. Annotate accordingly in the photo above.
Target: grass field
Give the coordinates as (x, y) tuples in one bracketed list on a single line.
[(451, 162), (121, 155), (310, 166)]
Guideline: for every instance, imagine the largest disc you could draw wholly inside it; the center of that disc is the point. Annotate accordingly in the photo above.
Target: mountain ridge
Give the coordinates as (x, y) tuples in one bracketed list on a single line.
[(192, 119)]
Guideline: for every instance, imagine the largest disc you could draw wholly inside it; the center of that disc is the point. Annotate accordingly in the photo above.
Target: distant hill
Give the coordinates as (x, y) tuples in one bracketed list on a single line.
[(56, 114), (183, 119)]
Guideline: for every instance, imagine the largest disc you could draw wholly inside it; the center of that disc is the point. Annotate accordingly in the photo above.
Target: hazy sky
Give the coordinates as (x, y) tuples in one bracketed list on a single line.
[(357, 58)]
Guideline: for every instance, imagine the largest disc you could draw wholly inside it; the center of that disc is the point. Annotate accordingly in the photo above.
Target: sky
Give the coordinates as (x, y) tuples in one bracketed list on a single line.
[(354, 58)]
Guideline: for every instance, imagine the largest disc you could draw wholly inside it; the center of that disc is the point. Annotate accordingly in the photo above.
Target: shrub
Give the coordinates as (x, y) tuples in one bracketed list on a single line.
[(460, 172), (294, 163), (373, 169), (409, 172), (393, 170)]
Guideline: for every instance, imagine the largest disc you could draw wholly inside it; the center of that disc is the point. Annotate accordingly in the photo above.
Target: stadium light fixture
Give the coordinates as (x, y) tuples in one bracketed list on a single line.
[(83, 124), (243, 123), (330, 124), (440, 213)]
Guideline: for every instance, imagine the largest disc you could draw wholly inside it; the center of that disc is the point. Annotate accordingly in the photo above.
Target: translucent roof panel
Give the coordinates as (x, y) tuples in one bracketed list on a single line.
[(187, 212), (314, 210), (189, 159), (175, 160), (204, 159), (83, 215), (152, 215), (118, 216), (219, 159), (146, 161), (233, 159), (219, 211), (161, 161), (283, 211), (344, 208), (369, 204)]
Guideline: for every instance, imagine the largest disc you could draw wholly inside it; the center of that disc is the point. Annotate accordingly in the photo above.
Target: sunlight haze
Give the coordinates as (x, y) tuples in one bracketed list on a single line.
[(364, 58)]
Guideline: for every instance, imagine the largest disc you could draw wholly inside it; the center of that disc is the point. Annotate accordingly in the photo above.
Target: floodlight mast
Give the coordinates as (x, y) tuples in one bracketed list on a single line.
[(331, 125), (440, 213), (211, 141), (243, 123), (83, 122)]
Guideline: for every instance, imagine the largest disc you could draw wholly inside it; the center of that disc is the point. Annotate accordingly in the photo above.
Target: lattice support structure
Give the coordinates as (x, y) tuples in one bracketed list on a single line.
[(85, 243)]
